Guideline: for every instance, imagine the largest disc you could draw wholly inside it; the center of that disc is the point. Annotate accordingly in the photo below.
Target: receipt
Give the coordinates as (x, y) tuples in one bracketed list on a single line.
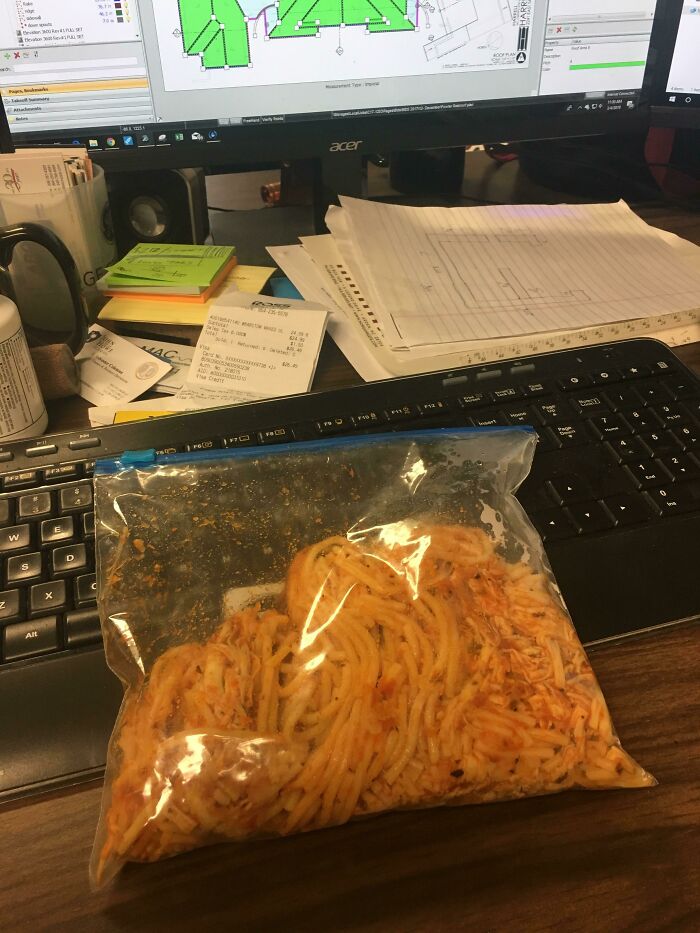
[(259, 346), (114, 370)]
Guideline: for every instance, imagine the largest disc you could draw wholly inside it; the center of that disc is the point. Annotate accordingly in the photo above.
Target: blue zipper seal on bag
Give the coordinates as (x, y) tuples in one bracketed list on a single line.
[(143, 459)]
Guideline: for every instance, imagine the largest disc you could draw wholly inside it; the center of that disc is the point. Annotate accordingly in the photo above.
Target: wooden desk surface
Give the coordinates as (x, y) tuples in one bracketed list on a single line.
[(593, 861)]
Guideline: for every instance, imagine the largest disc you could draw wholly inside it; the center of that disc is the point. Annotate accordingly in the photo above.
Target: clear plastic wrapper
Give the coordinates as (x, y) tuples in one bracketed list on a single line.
[(317, 632)]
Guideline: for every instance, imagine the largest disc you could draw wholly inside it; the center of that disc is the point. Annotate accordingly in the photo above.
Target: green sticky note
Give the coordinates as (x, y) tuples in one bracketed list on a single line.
[(169, 264)]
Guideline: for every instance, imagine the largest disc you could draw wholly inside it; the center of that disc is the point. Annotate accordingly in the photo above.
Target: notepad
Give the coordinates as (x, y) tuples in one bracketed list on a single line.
[(165, 269)]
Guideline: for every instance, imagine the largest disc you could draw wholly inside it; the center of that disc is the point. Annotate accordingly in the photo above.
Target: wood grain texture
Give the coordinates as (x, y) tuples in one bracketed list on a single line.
[(602, 861), (580, 861)]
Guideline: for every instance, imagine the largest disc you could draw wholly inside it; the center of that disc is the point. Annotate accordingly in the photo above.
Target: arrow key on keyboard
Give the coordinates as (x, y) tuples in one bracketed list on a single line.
[(569, 488), (627, 509), (553, 524), (590, 516)]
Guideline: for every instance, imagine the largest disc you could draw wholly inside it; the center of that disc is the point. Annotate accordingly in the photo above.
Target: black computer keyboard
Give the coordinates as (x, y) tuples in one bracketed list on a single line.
[(614, 492)]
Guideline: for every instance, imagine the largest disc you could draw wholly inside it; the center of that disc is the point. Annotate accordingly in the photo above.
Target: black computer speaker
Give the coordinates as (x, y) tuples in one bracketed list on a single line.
[(166, 206)]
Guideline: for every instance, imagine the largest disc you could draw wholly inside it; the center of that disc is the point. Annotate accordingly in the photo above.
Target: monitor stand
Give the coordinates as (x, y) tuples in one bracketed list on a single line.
[(336, 173)]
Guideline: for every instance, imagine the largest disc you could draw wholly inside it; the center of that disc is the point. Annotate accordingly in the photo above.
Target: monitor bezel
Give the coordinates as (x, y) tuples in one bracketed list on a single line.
[(661, 51), (488, 122)]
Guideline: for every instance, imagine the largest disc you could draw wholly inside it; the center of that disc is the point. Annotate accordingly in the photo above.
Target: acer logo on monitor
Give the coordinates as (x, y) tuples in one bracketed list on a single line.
[(348, 145)]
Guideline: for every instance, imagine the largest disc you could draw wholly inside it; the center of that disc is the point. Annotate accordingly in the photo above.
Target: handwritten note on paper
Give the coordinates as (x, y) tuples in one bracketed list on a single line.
[(258, 345)]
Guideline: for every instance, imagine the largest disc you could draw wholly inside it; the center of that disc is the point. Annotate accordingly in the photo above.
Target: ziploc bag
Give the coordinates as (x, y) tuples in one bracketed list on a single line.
[(315, 632)]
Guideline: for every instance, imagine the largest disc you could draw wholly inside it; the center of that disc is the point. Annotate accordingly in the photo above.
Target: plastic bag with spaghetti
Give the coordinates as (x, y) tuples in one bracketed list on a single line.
[(330, 630)]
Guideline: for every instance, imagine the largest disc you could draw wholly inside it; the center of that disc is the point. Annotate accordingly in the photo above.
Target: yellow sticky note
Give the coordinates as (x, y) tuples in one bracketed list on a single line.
[(123, 417), (251, 279)]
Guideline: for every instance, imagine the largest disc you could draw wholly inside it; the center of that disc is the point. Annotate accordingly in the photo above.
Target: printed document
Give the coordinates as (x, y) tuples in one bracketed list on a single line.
[(443, 275)]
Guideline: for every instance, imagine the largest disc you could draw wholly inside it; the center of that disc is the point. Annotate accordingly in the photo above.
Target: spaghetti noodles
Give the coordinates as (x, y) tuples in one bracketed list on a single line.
[(415, 667)]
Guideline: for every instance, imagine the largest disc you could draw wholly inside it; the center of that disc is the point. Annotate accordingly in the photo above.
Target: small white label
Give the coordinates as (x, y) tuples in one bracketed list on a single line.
[(21, 404)]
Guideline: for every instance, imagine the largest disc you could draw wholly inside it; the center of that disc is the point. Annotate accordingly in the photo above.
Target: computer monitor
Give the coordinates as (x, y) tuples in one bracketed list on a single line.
[(676, 57), (145, 84)]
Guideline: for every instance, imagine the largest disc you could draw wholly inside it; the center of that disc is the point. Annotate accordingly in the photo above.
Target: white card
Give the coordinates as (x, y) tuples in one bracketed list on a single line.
[(177, 354), (114, 370), (259, 345)]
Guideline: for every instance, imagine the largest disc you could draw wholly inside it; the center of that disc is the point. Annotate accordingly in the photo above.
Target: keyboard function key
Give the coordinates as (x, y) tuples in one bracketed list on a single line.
[(485, 419), (47, 597), (681, 497), (474, 400), (606, 377), (41, 450), (82, 628), (169, 449), (591, 404), (15, 538), (589, 517), (76, 498), (24, 568), (400, 413), (36, 505), (367, 419), (535, 389), (434, 407), (550, 412), (6, 512), (57, 530), (64, 471), (333, 426), (647, 473), (30, 639), (506, 395), (68, 560), (570, 435), (84, 443), (88, 467), (569, 488), (276, 436), (572, 383), (22, 480), (546, 440), (609, 426), (628, 509), (85, 590), (210, 443), (241, 440), (10, 606), (553, 524), (519, 414)]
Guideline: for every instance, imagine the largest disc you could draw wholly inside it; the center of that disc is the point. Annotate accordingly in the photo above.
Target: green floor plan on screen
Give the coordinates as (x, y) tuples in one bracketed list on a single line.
[(217, 30)]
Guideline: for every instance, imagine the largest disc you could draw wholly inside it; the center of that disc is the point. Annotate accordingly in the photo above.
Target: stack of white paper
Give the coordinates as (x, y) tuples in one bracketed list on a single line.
[(416, 289)]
